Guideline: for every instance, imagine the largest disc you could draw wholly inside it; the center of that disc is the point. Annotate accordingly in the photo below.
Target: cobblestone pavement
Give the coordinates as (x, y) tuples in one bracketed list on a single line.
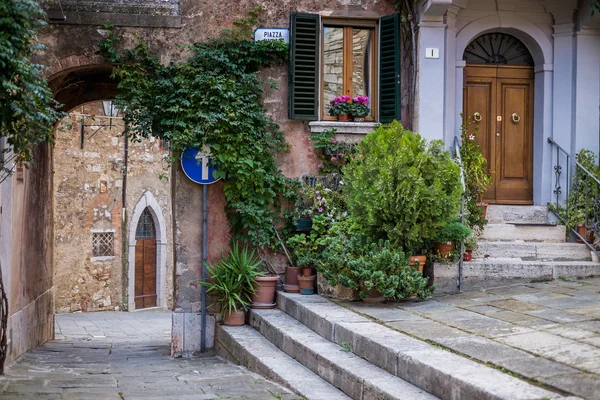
[(545, 332), (120, 355)]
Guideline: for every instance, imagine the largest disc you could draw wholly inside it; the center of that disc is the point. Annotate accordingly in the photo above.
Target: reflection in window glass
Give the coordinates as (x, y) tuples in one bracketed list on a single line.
[(362, 53), (333, 64)]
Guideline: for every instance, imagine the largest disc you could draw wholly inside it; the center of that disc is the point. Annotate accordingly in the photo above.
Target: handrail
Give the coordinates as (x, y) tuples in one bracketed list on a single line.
[(594, 225), (457, 145)]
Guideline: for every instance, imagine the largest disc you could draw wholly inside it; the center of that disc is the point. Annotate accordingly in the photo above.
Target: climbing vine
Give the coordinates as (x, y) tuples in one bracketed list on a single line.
[(213, 98), (27, 107)]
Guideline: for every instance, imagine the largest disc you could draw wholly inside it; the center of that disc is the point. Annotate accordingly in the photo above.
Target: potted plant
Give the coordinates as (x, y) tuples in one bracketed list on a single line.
[(402, 188), (470, 246), (450, 234), (306, 263), (340, 107), (359, 108), (233, 283), (265, 286)]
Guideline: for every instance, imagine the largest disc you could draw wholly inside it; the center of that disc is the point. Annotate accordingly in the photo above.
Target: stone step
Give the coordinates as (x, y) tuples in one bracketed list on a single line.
[(531, 251), (355, 376), (497, 213), (494, 272), (524, 232), (437, 371), (245, 346)]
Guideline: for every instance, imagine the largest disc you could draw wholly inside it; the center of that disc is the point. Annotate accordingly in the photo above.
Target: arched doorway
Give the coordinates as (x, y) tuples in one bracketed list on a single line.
[(498, 103), (145, 262)]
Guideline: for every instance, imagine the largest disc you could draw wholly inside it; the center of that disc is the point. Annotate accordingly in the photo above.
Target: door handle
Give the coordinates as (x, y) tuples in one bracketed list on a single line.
[(476, 117), (516, 118), (498, 134)]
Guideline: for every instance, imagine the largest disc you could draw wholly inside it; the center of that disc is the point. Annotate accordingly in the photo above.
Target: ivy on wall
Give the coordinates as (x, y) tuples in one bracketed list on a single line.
[(213, 98), (27, 107)]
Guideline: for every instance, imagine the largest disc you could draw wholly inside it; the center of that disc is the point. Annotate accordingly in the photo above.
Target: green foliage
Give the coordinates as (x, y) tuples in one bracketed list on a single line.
[(233, 279), (213, 99), (477, 178), (305, 248), (356, 260), (453, 232), (27, 106), (359, 110), (333, 153), (401, 188), (471, 243), (595, 7), (581, 207)]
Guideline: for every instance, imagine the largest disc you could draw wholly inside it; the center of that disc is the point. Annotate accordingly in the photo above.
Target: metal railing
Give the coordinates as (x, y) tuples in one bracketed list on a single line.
[(457, 145), (579, 203)]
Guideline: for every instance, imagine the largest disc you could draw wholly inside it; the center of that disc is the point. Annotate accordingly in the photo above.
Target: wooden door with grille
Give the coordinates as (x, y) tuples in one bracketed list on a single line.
[(145, 262), (499, 104)]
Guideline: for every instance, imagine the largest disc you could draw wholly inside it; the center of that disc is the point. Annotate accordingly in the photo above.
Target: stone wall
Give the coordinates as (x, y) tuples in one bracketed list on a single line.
[(88, 187)]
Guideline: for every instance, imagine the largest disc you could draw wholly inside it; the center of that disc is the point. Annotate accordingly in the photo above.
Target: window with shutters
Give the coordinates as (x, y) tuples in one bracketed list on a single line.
[(330, 58)]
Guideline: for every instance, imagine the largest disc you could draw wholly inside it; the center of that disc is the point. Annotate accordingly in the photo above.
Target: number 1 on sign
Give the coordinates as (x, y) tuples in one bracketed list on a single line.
[(203, 159)]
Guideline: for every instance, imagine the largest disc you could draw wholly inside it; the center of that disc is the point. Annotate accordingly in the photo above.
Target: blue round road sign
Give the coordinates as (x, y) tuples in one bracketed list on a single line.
[(196, 166)]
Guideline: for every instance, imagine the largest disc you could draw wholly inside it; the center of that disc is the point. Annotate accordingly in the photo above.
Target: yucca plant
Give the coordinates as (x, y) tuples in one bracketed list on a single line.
[(232, 279)]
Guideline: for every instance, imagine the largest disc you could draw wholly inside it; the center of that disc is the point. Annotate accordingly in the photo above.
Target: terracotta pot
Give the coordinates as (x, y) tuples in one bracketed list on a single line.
[(343, 117), (265, 292), (307, 284), (443, 249), (374, 297), (235, 318), (588, 234), (484, 206), (420, 259), (468, 255), (307, 271), (291, 280)]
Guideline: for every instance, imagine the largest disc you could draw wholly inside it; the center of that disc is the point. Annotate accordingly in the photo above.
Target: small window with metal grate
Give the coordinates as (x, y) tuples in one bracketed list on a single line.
[(145, 228), (103, 244)]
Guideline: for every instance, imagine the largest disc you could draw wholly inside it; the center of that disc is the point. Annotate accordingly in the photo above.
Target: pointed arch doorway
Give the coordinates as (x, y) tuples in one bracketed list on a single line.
[(498, 97), (145, 262)]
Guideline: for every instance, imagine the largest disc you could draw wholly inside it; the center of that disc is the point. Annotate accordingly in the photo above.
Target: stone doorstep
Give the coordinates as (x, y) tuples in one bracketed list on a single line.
[(532, 251), (437, 371), (534, 233), (247, 347), (355, 376), (525, 214)]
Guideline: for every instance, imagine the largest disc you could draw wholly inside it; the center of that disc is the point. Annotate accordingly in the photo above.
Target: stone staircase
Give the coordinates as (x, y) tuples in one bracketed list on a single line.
[(519, 245), (324, 351)]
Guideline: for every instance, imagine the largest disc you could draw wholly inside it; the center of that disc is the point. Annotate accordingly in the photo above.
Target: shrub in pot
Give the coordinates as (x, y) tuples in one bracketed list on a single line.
[(452, 233), (470, 246), (402, 188), (340, 107), (359, 108), (232, 283)]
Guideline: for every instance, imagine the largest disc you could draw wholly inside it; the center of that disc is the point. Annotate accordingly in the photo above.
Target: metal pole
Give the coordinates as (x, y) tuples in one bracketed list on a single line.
[(204, 252)]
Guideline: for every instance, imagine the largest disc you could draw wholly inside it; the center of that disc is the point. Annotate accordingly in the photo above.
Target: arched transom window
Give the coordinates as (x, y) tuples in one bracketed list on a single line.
[(497, 49), (145, 227)]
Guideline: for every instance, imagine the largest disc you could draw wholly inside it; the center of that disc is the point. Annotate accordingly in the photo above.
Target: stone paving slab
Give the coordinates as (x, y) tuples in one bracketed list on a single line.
[(548, 332), (119, 355)]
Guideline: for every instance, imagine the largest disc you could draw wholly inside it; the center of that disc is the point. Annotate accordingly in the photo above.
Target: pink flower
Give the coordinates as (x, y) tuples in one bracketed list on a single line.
[(320, 209), (333, 158), (320, 165), (317, 192), (333, 139), (353, 158), (318, 197), (361, 100), (339, 154), (472, 137)]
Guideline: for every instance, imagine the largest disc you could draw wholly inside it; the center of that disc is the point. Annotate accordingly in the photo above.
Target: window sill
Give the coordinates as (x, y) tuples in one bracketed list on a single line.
[(349, 129), (104, 258)]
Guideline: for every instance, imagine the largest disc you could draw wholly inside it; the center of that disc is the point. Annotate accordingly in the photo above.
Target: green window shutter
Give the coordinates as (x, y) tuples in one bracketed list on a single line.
[(304, 66), (389, 68)]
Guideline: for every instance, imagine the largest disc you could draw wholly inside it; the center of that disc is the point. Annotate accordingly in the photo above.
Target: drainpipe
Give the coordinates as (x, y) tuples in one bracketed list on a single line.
[(124, 230)]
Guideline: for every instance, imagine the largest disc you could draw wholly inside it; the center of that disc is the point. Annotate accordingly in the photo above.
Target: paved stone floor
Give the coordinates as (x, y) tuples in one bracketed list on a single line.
[(544, 332), (119, 355)]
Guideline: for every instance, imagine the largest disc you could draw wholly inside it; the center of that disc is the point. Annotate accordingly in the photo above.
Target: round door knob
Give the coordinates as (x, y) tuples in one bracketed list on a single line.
[(497, 133)]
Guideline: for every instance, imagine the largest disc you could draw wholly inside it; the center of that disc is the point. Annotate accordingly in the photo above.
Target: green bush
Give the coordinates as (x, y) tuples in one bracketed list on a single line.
[(453, 232), (233, 279), (355, 260), (401, 188)]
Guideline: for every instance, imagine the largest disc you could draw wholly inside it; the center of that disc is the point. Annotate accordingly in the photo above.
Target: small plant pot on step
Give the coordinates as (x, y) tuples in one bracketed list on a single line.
[(588, 234), (443, 249), (291, 280), (374, 297), (307, 284), (484, 207), (307, 271), (235, 318), (468, 255), (420, 259), (264, 298)]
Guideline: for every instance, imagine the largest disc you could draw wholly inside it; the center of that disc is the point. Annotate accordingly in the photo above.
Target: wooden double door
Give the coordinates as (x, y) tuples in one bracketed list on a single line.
[(498, 102)]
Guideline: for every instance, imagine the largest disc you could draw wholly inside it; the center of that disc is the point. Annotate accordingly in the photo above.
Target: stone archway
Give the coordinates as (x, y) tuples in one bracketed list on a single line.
[(148, 201)]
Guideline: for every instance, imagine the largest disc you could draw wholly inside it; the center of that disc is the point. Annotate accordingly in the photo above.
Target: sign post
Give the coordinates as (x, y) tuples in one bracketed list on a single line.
[(197, 167)]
